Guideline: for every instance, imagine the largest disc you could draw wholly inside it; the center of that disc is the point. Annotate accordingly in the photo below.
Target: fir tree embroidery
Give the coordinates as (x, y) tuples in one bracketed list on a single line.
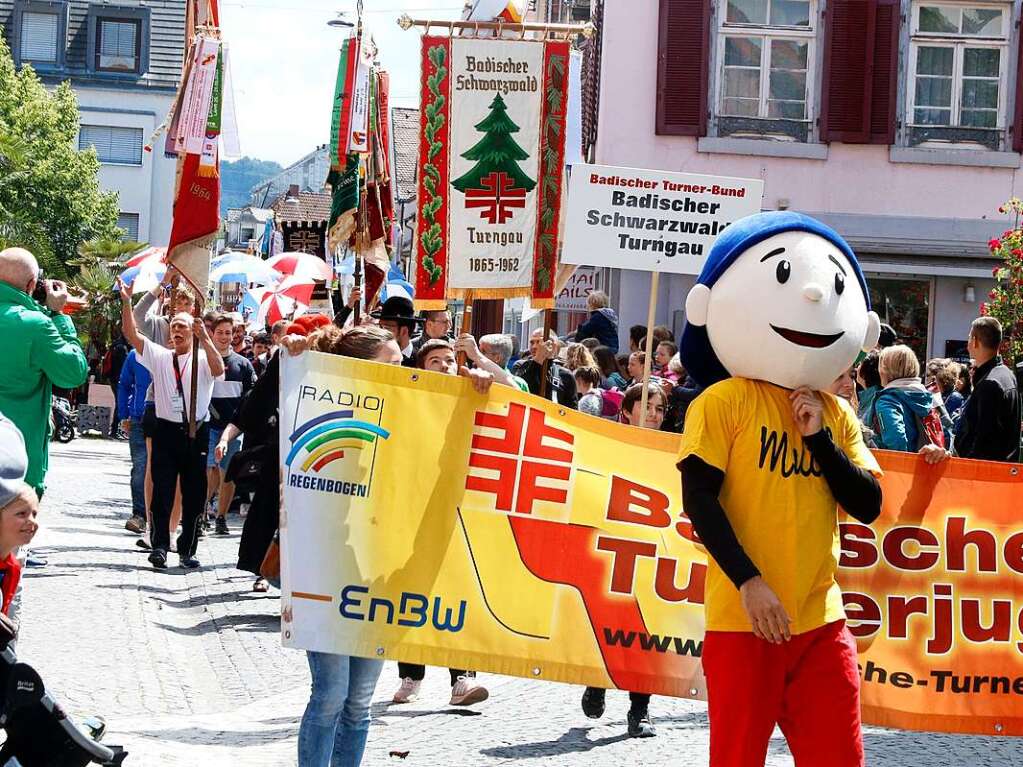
[(496, 184)]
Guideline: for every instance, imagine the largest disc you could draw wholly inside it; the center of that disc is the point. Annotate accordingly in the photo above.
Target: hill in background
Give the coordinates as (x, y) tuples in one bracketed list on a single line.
[(238, 177)]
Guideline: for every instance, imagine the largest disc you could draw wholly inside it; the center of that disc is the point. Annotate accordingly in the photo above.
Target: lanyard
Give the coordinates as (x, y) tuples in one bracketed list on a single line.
[(181, 390)]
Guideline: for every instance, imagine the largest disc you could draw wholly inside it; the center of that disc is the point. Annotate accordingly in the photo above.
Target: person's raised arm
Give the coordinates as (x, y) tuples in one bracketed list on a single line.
[(467, 344), (202, 337), (128, 326)]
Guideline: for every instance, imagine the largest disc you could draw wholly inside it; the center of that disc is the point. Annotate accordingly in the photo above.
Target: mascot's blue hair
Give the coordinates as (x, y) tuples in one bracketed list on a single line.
[(695, 351)]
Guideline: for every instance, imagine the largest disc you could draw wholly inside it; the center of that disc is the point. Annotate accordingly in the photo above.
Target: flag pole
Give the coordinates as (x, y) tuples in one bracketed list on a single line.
[(548, 322), (466, 326), (655, 278), (587, 30)]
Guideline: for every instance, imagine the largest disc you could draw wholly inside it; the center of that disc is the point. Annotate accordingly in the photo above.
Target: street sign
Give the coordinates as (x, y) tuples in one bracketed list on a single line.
[(651, 220)]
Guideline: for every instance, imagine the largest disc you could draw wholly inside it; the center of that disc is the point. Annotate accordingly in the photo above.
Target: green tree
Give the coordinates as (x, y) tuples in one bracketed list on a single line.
[(50, 200), (496, 152), (1005, 302)]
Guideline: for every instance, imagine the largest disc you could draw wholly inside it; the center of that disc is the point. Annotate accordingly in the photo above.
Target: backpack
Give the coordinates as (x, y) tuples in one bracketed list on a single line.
[(611, 403), (929, 430), (107, 365)]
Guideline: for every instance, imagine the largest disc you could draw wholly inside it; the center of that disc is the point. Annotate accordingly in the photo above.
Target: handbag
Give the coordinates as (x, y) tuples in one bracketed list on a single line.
[(270, 567), (247, 466)]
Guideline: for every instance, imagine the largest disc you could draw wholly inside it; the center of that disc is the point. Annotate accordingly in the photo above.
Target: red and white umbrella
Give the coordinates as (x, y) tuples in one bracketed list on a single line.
[(301, 265), (157, 254), (288, 299)]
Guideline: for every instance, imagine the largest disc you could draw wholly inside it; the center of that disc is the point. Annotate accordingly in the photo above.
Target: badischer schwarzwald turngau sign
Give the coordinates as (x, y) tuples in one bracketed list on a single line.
[(651, 220)]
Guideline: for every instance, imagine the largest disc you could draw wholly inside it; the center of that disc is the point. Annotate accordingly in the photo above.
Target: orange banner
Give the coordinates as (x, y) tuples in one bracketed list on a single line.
[(934, 595)]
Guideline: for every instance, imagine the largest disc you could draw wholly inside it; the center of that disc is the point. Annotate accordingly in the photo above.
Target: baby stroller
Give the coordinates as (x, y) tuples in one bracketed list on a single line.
[(39, 733)]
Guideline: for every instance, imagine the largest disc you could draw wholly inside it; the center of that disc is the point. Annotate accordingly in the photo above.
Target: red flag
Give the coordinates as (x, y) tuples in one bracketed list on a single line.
[(196, 220)]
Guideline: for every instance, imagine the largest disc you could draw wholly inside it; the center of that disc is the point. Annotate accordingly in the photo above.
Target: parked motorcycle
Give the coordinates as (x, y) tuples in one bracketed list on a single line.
[(65, 422)]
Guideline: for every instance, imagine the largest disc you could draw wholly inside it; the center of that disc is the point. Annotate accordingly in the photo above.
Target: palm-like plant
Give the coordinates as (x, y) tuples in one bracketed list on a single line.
[(15, 230), (99, 262)]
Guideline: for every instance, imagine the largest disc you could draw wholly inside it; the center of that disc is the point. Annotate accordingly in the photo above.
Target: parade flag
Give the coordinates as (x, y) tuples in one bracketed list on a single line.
[(535, 541), (491, 162), (341, 113)]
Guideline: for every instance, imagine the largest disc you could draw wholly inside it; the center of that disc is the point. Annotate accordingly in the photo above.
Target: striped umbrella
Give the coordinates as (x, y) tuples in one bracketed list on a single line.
[(160, 254), (301, 265), (288, 299)]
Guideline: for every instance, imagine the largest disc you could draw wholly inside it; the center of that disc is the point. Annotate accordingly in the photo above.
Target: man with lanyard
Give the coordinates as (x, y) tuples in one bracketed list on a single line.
[(174, 453)]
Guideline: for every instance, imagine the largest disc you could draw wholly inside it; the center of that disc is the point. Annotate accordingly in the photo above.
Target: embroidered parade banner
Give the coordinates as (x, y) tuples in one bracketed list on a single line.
[(426, 523), (491, 162)]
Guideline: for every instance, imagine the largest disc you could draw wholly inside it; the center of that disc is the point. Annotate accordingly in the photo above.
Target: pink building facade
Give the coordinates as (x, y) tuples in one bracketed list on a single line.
[(895, 121)]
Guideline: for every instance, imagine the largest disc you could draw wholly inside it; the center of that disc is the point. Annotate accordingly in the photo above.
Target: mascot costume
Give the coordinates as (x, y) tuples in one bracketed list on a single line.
[(779, 311)]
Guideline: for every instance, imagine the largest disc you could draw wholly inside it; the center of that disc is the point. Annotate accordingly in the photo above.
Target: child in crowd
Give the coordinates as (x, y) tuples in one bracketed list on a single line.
[(18, 508), (639, 725), (663, 355)]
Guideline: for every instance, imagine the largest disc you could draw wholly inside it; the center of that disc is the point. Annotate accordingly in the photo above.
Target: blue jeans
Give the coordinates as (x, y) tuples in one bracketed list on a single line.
[(336, 719), (137, 446)]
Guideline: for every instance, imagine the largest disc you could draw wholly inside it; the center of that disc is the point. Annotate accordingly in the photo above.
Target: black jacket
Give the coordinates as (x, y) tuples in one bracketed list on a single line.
[(989, 428), (562, 381)]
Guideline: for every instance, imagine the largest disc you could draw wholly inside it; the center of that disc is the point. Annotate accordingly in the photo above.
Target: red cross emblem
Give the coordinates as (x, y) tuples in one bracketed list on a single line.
[(497, 197), (510, 466)]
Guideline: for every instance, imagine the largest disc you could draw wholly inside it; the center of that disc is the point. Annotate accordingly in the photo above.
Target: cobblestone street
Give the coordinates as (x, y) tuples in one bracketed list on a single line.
[(188, 669)]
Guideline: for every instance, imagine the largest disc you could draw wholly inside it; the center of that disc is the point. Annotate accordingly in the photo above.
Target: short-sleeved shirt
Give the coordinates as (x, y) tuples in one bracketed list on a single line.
[(239, 378), (774, 496), (159, 361)]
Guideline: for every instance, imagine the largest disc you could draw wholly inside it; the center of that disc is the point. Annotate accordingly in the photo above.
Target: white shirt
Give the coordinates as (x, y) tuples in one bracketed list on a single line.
[(159, 361)]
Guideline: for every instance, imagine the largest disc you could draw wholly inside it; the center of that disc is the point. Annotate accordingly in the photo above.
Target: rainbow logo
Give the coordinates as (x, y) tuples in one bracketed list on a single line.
[(326, 438)]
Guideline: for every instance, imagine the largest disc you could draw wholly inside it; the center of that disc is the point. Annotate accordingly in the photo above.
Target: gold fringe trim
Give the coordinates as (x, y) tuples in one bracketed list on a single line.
[(489, 293), (541, 303), (342, 230), (433, 304), (207, 171)]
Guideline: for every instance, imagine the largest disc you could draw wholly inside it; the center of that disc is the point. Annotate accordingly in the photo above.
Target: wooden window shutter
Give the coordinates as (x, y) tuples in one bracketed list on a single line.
[(1017, 123), (861, 62), (683, 54)]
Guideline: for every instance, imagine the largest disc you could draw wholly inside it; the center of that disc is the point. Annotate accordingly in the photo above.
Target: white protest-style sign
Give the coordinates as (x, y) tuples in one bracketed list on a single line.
[(651, 220), (573, 296), (358, 137)]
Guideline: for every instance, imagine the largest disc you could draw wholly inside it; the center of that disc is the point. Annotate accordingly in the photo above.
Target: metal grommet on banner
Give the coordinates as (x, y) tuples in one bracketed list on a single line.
[(415, 377), (287, 635), (998, 727), (562, 412), (1014, 471), (693, 691), (536, 671), (380, 651)]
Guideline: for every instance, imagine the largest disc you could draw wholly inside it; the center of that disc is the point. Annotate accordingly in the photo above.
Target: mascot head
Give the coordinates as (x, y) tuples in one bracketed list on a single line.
[(780, 299)]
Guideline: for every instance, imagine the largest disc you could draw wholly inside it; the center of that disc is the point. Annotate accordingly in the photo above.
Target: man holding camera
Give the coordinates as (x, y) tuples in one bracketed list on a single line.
[(40, 349)]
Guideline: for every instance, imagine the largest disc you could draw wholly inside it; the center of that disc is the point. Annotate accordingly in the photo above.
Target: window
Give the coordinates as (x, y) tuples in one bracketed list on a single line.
[(904, 303), (766, 51), (118, 45), (39, 37), (129, 222), (115, 145), (958, 58)]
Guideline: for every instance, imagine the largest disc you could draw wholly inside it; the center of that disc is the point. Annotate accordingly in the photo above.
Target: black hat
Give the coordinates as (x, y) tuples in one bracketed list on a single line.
[(888, 336), (398, 309)]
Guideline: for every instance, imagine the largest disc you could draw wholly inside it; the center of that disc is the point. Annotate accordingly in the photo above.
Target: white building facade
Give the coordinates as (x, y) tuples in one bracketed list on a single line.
[(124, 63)]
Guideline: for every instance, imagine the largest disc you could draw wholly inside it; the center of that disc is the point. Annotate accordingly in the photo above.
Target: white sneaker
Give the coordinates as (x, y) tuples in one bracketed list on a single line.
[(408, 692), (466, 692)]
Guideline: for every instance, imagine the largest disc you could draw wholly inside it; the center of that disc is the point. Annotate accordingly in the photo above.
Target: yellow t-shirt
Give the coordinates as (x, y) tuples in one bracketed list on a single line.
[(781, 509)]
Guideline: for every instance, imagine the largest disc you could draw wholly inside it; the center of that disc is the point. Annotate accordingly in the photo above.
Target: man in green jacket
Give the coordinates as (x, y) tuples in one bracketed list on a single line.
[(40, 350)]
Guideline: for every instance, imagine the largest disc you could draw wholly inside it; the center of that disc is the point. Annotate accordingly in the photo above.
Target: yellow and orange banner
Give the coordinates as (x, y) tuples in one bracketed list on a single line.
[(502, 533)]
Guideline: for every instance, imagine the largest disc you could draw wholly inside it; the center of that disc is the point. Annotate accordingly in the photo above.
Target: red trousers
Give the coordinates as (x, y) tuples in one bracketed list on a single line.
[(808, 686)]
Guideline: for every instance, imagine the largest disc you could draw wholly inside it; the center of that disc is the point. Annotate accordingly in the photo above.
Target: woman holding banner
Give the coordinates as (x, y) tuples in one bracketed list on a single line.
[(336, 719)]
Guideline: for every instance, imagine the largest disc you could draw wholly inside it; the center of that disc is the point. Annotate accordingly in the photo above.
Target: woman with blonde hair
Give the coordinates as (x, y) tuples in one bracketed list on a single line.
[(903, 403), (578, 356)]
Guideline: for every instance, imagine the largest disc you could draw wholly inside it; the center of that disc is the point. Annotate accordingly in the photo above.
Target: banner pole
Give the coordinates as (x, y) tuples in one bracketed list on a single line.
[(466, 326), (193, 395), (548, 321), (655, 278)]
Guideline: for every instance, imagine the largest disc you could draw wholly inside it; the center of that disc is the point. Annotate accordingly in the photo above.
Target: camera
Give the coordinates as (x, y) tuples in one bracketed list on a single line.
[(41, 290)]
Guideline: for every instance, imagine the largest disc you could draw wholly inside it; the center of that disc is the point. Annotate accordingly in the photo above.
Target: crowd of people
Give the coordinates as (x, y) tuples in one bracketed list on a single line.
[(185, 485)]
